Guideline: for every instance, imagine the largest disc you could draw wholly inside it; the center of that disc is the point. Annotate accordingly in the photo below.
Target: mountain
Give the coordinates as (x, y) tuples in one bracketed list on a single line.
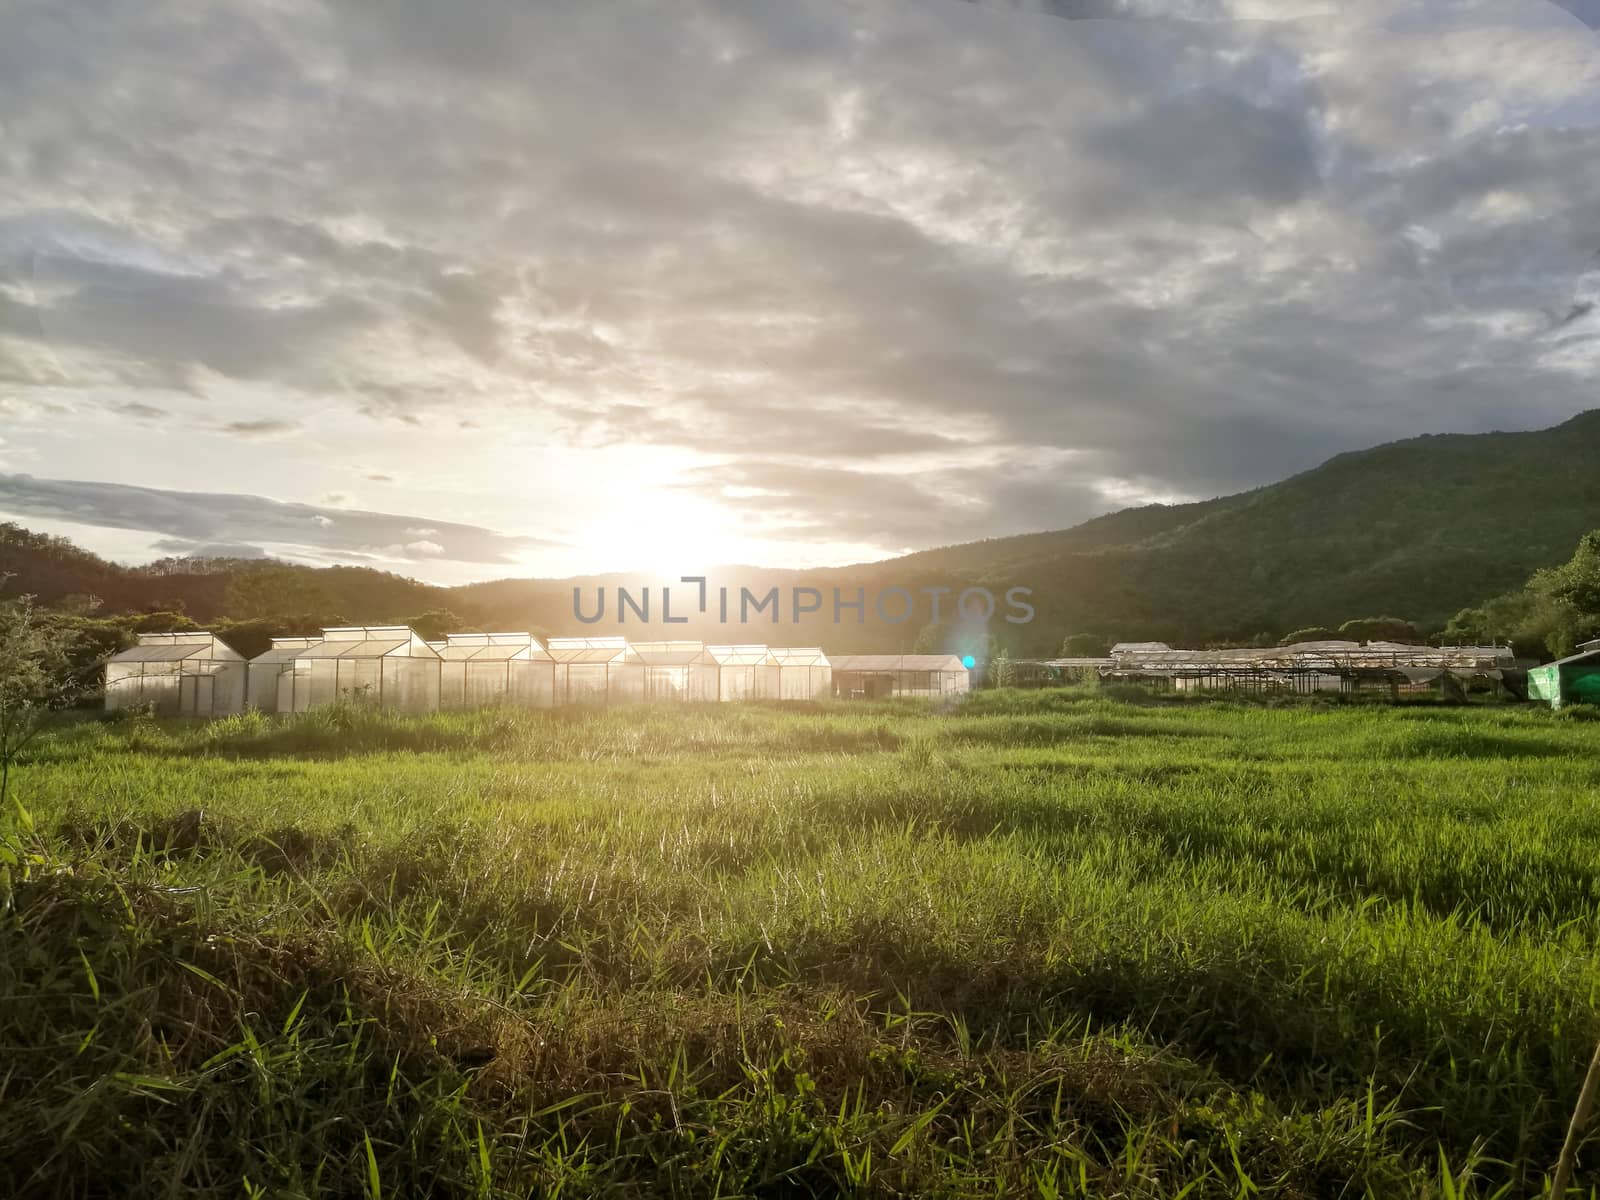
[(61, 574), (1416, 529)]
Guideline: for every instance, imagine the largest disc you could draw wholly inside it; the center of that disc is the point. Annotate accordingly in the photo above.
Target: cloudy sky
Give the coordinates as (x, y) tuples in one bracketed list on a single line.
[(511, 287)]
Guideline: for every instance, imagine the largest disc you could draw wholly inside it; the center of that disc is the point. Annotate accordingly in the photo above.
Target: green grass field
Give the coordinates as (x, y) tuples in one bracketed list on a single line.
[(1035, 944)]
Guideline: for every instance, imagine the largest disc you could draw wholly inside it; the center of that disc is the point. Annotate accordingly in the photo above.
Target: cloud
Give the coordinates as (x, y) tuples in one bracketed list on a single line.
[(261, 427), (197, 518), (904, 273), (181, 548)]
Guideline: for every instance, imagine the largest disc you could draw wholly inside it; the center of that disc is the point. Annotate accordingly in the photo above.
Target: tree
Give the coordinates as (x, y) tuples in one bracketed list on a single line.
[(1576, 582), (163, 621), (272, 589), (37, 677), (1001, 670), (1311, 633), (1085, 645), (435, 623)]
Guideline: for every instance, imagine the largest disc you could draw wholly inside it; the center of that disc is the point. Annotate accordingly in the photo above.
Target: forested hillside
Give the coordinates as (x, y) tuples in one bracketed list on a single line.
[(1417, 529)]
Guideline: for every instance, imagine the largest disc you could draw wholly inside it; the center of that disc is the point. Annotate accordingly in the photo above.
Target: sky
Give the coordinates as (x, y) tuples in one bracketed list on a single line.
[(501, 288)]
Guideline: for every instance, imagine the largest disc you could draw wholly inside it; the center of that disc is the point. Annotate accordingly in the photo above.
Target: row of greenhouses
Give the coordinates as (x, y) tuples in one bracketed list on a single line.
[(196, 674)]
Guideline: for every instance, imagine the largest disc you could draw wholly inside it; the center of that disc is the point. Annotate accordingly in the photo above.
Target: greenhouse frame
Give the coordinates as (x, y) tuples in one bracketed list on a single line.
[(189, 674), (269, 676), (858, 676), (596, 670), (481, 670), (802, 673), (744, 672), (389, 665), (680, 670)]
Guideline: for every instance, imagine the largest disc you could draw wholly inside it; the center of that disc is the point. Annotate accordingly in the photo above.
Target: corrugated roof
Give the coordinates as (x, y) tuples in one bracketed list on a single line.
[(1580, 656), (896, 662)]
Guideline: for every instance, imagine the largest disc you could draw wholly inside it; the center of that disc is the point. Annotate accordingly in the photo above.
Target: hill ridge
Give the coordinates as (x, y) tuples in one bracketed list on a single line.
[(1418, 528)]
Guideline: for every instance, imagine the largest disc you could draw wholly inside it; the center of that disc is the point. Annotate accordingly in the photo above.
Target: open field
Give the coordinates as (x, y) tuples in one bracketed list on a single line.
[(1033, 944)]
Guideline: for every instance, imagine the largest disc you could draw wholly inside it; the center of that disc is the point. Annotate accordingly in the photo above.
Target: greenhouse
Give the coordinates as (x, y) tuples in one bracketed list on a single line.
[(480, 670), (596, 670), (270, 677), (677, 670), (801, 673), (744, 672), (180, 674), (387, 665), (861, 676)]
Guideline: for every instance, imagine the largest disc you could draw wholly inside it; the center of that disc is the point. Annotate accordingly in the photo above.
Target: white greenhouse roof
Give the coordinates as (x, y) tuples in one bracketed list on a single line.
[(738, 656), (285, 649), (589, 650), (373, 648), (670, 654), (798, 656), (896, 662), (489, 647), (177, 647), (363, 633)]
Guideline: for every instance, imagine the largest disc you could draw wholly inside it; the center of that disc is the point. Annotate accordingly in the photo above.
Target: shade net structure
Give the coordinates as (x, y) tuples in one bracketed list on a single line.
[(865, 676), (681, 670), (744, 672), (269, 683), (1316, 666), (179, 674), (596, 670), (483, 670), (801, 673), (387, 665)]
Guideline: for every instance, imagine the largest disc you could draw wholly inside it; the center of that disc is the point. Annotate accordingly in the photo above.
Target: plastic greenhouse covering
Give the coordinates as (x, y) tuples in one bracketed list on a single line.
[(596, 670), (867, 675), (744, 672), (803, 673), (387, 665), (677, 670), (188, 674), (480, 670), (270, 679)]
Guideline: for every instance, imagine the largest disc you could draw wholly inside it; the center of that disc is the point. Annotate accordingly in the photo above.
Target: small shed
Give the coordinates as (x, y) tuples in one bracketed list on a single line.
[(596, 670), (866, 676), (388, 665), (802, 673), (269, 677), (680, 670), (1571, 680), (188, 674), (481, 670)]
